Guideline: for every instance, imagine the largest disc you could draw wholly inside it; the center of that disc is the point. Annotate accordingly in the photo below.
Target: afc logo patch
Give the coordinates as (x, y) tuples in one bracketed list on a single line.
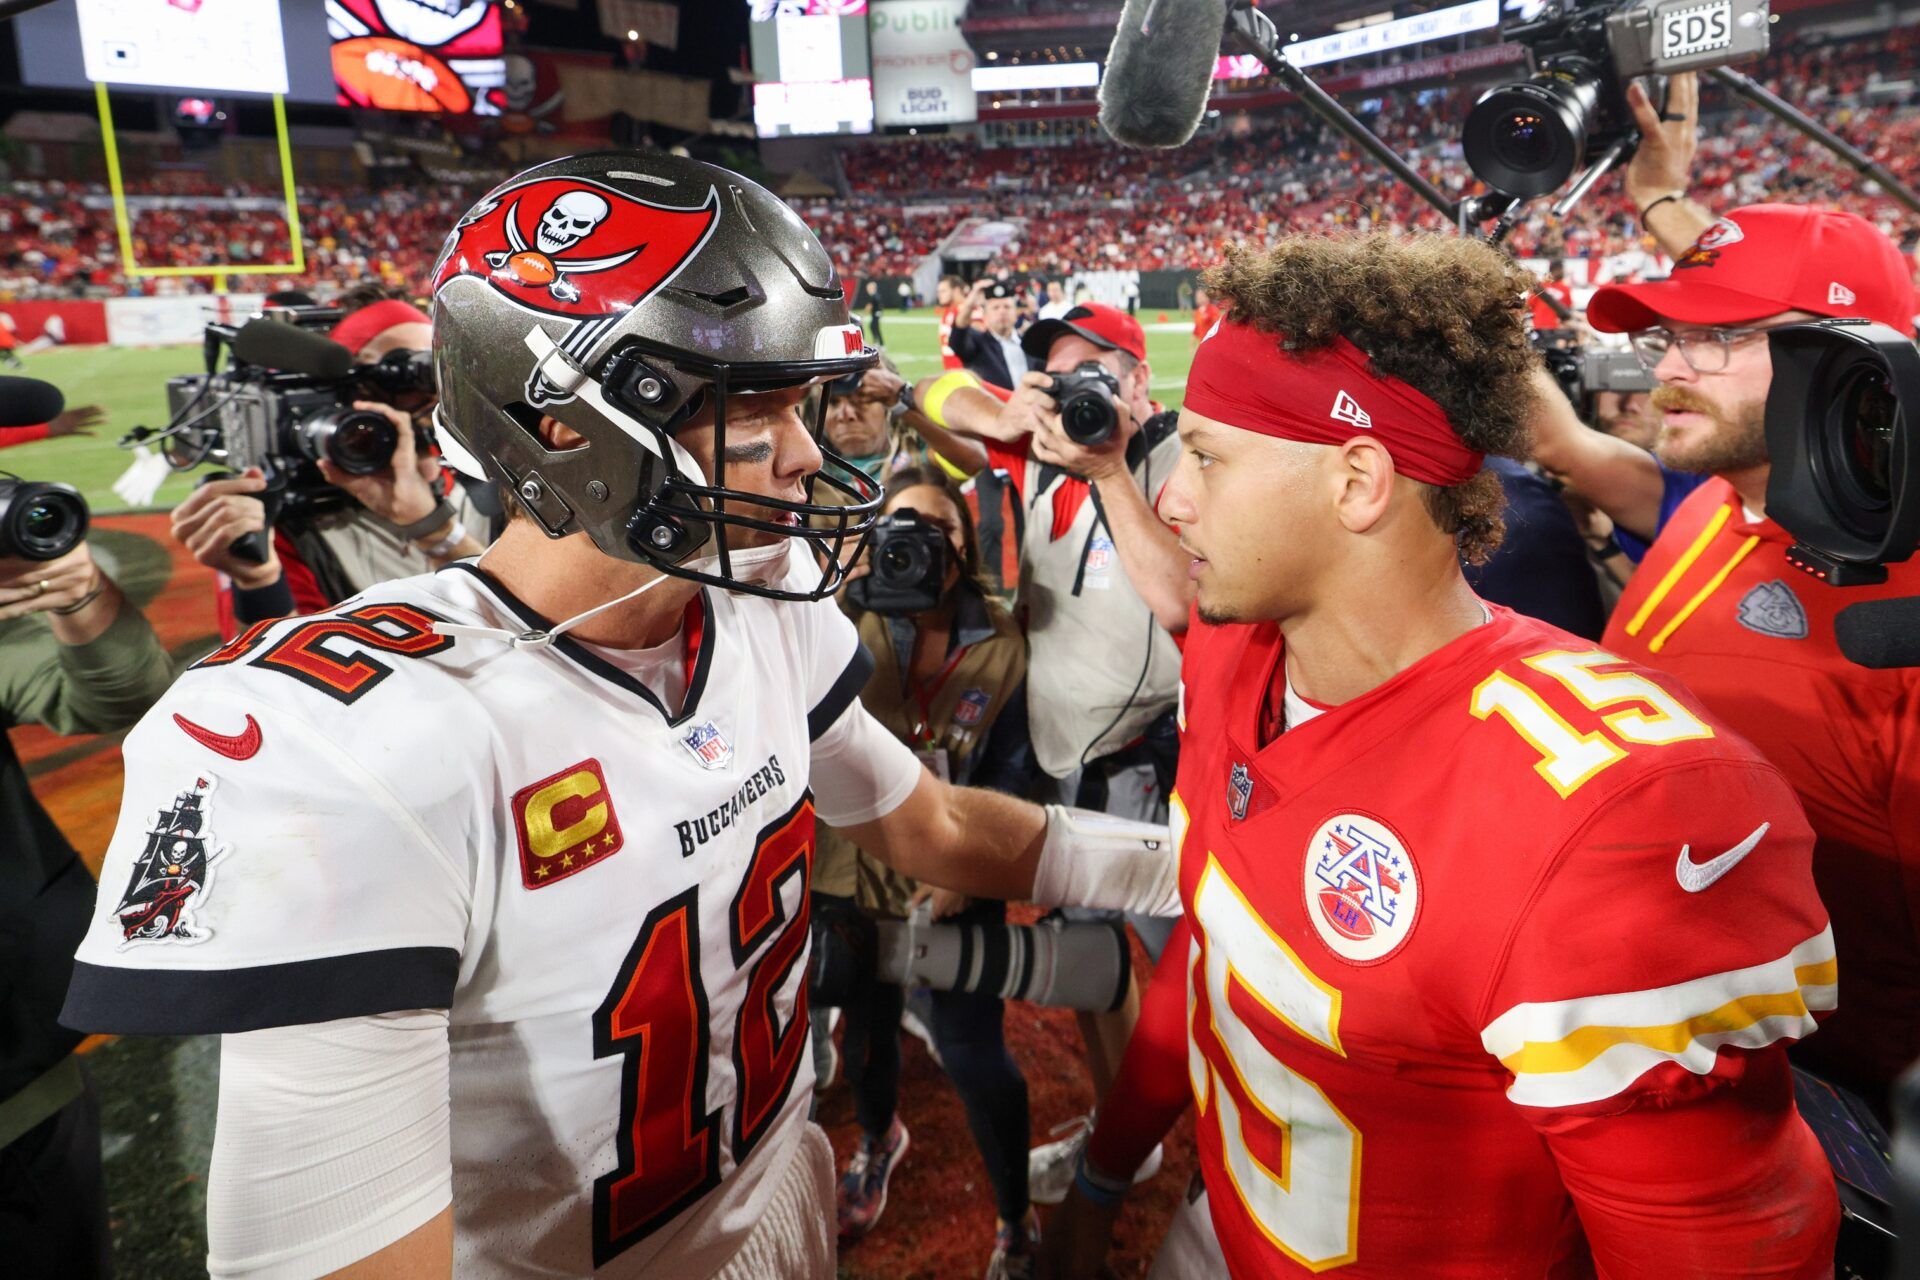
[(1362, 889), (565, 824)]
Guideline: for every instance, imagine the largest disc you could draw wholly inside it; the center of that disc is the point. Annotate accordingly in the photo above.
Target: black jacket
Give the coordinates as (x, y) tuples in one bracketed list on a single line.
[(980, 352)]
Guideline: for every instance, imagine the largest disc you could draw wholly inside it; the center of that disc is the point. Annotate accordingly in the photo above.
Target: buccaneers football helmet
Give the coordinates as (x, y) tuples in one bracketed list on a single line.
[(620, 293)]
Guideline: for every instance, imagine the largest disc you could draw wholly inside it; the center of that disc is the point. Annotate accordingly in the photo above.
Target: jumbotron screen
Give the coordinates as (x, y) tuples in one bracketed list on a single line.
[(416, 55), (812, 66), (204, 48)]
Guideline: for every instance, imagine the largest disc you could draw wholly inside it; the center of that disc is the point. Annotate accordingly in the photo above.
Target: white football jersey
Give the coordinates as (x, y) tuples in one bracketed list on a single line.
[(348, 814)]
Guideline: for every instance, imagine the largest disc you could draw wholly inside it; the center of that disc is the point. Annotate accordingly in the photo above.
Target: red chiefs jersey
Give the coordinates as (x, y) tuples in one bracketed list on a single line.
[(1716, 603), (1475, 954), (948, 314)]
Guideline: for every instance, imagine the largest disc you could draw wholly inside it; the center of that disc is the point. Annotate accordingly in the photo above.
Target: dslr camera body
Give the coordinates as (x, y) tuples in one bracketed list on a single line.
[(1086, 398), (1528, 138), (1585, 369), (909, 556), (40, 520)]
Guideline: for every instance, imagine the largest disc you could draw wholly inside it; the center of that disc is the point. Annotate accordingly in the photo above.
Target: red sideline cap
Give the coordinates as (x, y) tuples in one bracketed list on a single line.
[(1108, 328), (357, 328), (1768, 258)]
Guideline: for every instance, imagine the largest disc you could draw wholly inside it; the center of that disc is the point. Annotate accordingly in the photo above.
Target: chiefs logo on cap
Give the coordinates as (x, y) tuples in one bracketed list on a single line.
[(571, 247), (1705, 251)]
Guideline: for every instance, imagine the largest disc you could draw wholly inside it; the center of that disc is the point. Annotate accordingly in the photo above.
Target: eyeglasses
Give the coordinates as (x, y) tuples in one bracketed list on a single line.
[(1704, 350)]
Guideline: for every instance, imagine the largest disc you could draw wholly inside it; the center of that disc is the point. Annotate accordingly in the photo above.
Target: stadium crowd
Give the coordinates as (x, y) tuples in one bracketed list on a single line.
[(1085, 206), (1110, 597)]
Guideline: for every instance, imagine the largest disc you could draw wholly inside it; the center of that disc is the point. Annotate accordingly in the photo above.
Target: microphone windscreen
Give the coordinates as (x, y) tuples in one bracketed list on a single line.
[(1880, 633), (275, 344), (28, 402), (1158, 78)]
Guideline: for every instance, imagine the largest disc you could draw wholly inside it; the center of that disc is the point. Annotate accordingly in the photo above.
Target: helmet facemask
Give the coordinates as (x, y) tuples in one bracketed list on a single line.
[(678, 520)]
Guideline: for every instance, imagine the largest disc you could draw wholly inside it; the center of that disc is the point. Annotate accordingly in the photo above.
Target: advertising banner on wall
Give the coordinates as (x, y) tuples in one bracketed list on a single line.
[(922, 65)]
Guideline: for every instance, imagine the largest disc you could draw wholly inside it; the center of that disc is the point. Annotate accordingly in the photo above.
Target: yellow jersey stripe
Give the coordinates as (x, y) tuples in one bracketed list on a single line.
[(1700, 596), (1680, 567), (1568, 1052), (1583, 1046)]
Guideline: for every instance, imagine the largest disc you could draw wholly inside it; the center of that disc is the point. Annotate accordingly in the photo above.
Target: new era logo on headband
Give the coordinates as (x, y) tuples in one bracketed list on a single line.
[(1347, 409), (1838, 295)]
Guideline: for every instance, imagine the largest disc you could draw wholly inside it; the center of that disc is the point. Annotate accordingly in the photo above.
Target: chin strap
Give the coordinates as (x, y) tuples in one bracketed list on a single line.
[(755, 557), (539, 639)]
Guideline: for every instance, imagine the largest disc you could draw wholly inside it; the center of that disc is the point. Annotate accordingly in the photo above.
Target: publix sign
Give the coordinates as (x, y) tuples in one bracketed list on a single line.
[(922, 66)]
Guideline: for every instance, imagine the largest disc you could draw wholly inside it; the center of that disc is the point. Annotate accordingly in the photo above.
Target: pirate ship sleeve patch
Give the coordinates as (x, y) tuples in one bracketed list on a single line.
[(261, 877)]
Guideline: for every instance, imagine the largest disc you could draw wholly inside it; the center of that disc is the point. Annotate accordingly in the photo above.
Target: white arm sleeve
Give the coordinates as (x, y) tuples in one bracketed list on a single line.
[(860, 771), (332, 1143), (1095, 860)]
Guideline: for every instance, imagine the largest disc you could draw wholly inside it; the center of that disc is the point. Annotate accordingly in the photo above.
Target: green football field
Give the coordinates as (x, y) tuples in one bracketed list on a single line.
[(130, 384)]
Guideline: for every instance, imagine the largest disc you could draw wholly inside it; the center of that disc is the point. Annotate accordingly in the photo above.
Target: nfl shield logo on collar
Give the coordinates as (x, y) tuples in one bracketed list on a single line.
[(705, 744), (1239, 791)]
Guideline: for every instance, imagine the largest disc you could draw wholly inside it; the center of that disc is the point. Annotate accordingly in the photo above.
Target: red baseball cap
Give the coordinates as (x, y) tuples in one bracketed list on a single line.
[(1764, 259), (1108, 328)]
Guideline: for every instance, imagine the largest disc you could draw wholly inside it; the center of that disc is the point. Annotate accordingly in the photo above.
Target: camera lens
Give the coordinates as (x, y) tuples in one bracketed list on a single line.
[(1527, 139), (41, 522), (356, 441), (1864, 445), (900, 563), (1088, 419), (1522, 141)]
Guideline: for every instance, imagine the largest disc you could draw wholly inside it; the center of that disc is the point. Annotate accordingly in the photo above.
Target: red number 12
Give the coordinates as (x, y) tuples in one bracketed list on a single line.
[(656, 1017)]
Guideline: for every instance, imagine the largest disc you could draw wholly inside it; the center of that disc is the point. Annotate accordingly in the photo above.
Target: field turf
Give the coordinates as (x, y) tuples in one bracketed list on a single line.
[(130, 384)]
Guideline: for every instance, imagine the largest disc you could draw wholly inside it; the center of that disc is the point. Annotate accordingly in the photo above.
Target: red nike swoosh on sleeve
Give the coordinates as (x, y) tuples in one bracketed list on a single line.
[(238, 746)]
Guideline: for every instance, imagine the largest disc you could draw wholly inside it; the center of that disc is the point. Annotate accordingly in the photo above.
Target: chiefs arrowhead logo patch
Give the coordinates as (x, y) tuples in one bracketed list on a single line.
[(575, 248)]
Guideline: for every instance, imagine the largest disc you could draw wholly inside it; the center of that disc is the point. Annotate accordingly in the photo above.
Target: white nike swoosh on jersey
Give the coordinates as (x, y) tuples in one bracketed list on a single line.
[(1695, 876)]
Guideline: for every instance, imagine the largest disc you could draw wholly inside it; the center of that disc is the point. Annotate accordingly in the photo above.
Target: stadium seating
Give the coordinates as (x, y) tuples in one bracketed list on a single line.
[(1087, 206)]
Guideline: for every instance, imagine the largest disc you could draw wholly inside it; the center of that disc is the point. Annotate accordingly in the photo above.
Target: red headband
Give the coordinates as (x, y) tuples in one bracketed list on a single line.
[(361, 327), (1241, 377)]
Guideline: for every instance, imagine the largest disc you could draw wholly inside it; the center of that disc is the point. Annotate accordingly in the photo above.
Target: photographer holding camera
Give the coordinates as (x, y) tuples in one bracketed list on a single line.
[(1102, 582), (947, 681), (401, 519), (77, 657), (1718, 603)]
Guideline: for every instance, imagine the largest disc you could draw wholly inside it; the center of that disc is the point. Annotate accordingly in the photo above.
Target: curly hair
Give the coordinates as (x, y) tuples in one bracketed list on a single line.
[(1444, 314)]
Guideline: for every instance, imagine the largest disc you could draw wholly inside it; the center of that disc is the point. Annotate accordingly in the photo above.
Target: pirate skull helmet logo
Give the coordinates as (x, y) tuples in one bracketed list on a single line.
[(570, 219), (522, 81)]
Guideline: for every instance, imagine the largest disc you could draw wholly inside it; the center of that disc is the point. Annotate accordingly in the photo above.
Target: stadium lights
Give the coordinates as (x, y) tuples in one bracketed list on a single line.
[(632, 34), (1057, 75)]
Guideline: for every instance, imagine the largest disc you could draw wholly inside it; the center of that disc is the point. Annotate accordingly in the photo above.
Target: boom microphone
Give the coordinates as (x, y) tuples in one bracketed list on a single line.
[(275, 344), (1880, 633), (1160, 70), (28, 402)]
